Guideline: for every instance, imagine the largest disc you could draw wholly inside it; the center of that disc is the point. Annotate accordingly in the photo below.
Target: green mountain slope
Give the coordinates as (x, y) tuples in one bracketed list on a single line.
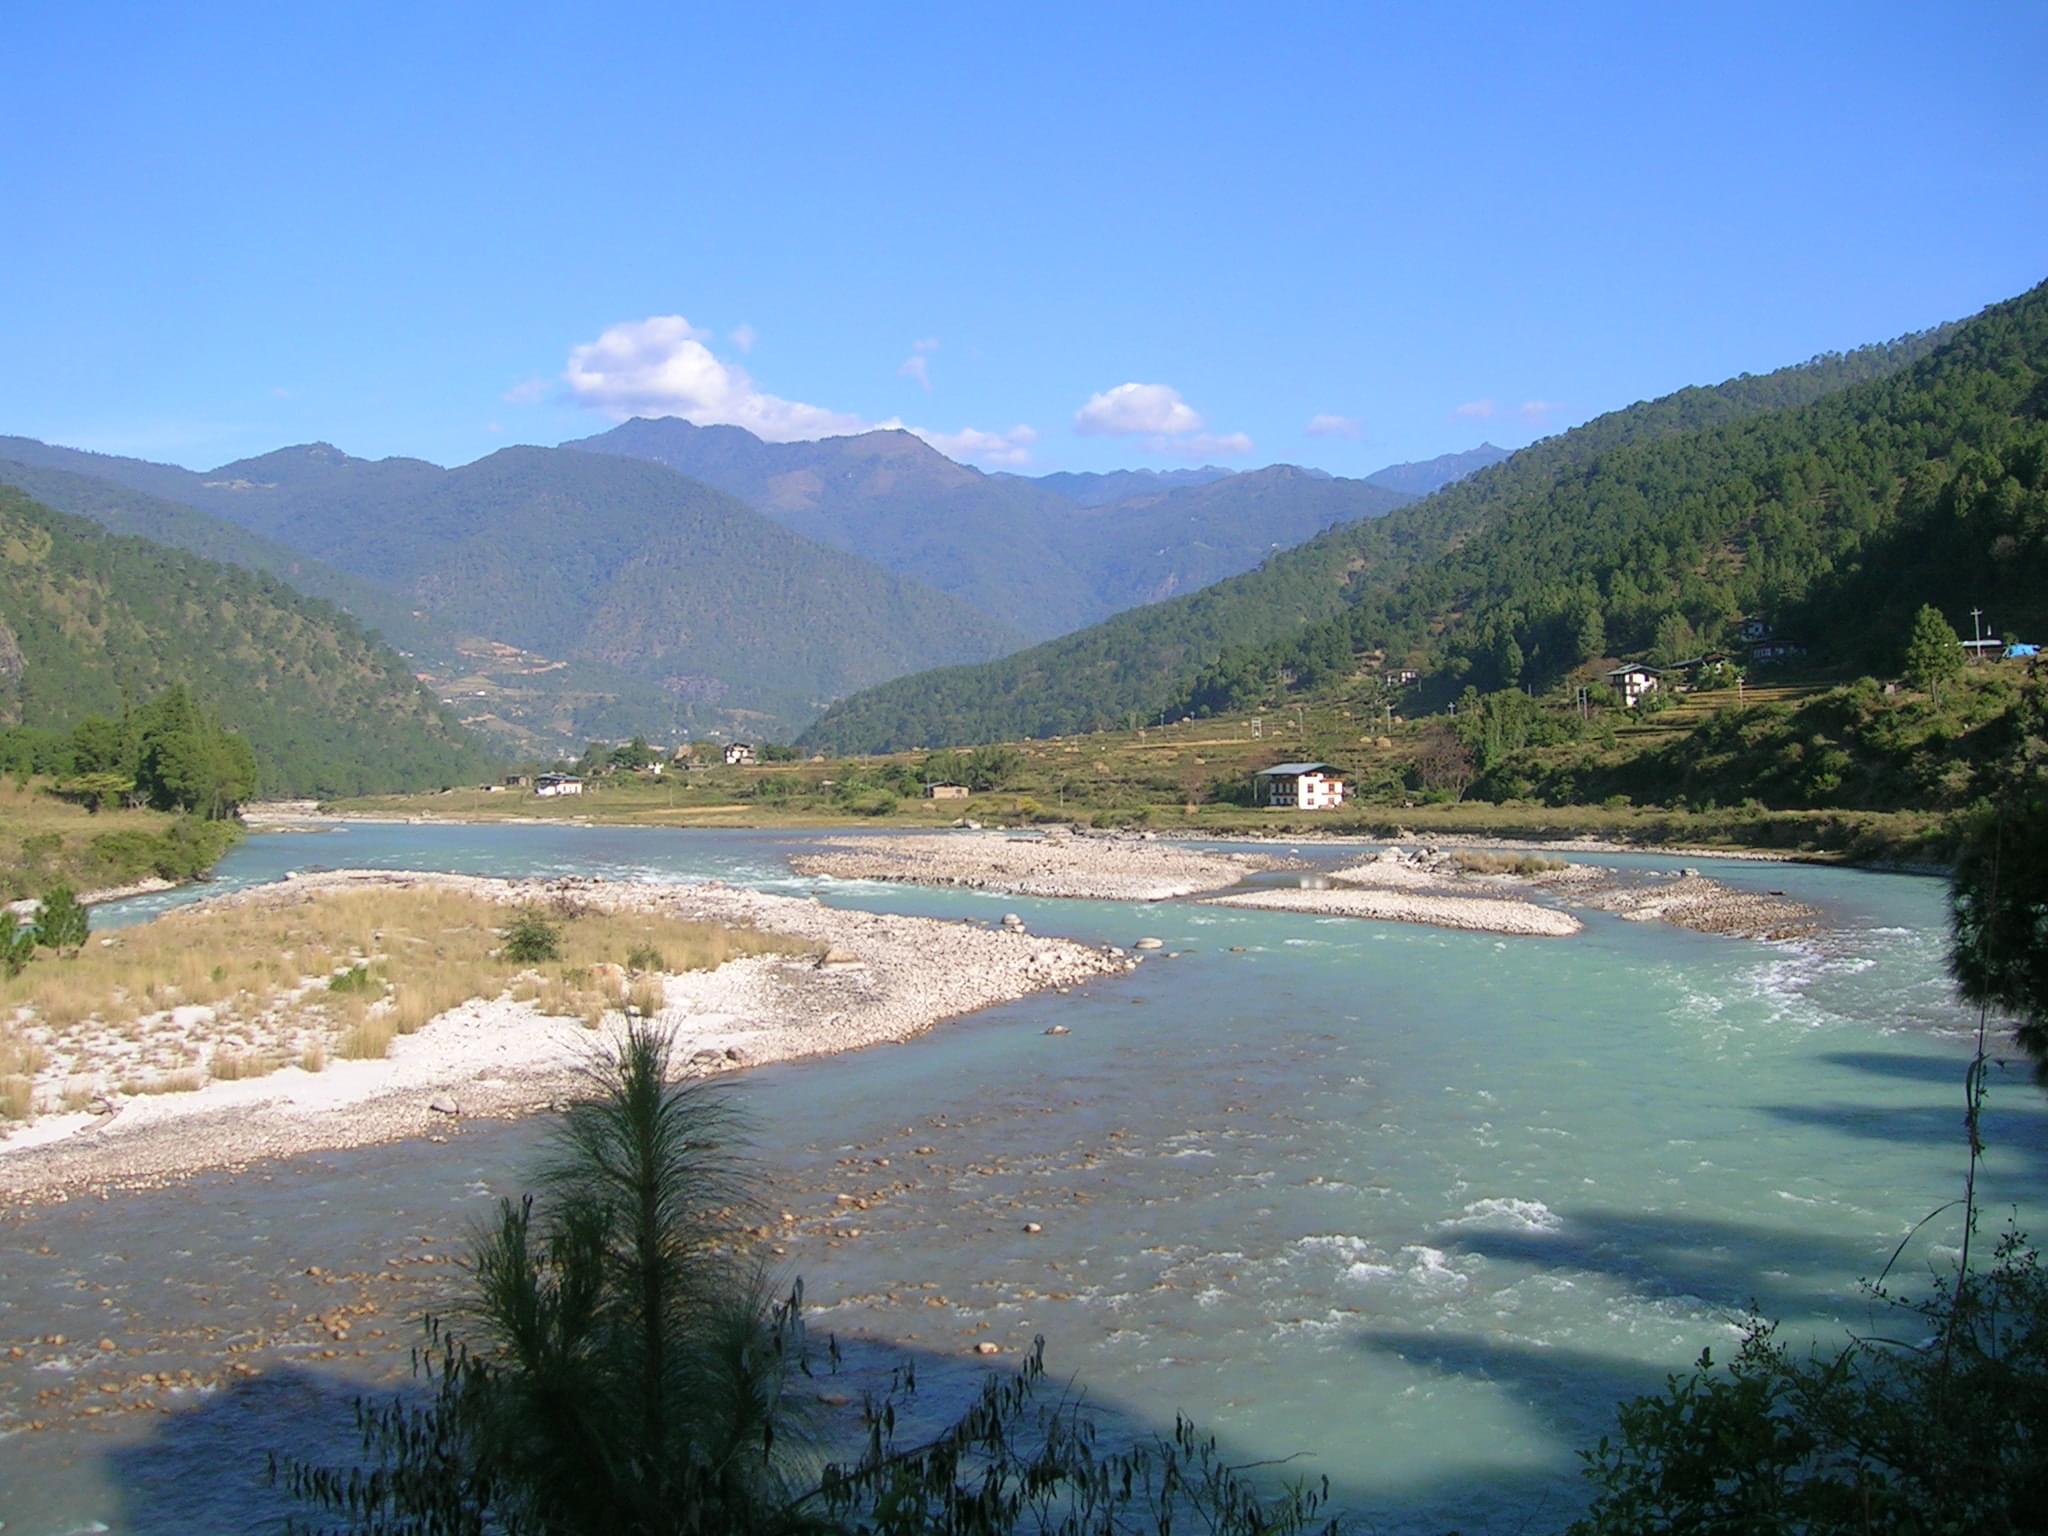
[(1833, 520), (1045, 558), (119, 509), (1154, 660), (628, 565), (89, 619)]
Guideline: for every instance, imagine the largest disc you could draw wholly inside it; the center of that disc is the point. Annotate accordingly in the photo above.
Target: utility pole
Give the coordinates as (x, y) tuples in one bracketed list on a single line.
[(1977, 634)]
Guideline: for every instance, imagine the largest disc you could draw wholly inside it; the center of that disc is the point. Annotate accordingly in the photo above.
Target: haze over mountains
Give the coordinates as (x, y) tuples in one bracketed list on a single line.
[(663, 577), (1042, 556)]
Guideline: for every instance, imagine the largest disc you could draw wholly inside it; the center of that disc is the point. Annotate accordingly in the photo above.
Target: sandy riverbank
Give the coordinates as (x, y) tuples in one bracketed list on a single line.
[(1478, 914), (889, 978), (1056, 864)]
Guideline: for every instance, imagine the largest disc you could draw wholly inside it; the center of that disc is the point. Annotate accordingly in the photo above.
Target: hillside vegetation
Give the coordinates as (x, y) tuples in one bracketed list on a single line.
[(91, 623), (1395, 580)]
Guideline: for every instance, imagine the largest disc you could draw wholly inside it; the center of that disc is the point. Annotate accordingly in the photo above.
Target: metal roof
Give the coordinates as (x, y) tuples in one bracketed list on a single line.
[(1293, 769)]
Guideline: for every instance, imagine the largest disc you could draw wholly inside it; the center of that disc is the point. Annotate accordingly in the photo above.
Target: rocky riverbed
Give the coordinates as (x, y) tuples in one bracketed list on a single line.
[(1493, 893), (1057, 863), (872, 979)]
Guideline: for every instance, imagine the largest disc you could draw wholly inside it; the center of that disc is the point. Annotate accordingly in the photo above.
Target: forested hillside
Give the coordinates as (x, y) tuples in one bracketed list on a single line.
[(1834, 521), (120, 509), (1393, 580), (90, 622)]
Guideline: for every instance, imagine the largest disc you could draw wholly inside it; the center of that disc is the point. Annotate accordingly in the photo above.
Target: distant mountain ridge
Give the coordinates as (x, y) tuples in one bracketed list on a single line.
[(1161, 659), (549, 591), (623, 569), (1425, 476), (1044, 555)]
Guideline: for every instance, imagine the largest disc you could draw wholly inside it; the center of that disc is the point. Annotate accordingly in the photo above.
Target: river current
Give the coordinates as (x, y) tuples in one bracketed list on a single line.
[(1415, 1207)]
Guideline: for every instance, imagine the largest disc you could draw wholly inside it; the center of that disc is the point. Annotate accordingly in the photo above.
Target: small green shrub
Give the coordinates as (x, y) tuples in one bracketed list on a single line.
[(530, 937), (646, 958), (61, 921), (356, 978)]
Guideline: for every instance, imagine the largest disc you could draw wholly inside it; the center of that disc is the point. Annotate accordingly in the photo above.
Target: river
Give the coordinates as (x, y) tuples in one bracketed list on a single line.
[(1417, 1206)]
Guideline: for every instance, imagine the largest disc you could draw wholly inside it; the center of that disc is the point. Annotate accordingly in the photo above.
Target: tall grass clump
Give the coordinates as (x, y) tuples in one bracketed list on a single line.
[(343, 972)]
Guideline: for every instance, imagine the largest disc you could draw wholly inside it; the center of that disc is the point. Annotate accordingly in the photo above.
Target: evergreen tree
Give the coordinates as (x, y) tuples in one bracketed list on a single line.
[(61, 921), (1934, 652)]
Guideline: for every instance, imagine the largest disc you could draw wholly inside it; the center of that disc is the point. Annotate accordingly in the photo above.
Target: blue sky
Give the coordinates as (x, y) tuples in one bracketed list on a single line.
[(438, 230)]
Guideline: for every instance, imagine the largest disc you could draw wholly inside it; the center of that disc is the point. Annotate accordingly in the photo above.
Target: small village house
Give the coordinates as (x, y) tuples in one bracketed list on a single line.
[(945, 791), (1772, 652), (552, 784), (1634, 682), (1298, 787), (739, 753), (517, 780)]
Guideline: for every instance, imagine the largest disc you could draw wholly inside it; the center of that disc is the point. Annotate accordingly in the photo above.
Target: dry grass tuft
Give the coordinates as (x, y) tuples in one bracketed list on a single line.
[(1481, 862), (229, 1065), (328, 973)]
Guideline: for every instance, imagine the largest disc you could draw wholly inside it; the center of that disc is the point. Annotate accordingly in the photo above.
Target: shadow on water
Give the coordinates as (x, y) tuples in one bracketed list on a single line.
[(1946, 1070), (206, 1468), (1724, 1263)]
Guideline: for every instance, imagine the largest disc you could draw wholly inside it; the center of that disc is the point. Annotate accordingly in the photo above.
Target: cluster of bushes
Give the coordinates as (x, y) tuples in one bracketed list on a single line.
[(59, 924), (168, 755)]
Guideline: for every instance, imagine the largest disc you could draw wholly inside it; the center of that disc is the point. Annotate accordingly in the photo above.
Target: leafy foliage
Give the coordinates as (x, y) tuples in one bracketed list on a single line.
[(61, 920), (1933, 651), (101, 621), (17, 943), (530, 937), (1942, 1434), (1998, 893)]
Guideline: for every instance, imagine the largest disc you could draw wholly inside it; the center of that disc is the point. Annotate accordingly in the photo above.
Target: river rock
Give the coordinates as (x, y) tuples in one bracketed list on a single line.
[(1059, 1029), (839, 958), (1149, 943), (987, 1348), (441, 1104)]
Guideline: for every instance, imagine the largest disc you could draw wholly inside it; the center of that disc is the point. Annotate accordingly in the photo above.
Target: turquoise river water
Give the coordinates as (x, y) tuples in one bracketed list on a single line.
[(1415, 1207)]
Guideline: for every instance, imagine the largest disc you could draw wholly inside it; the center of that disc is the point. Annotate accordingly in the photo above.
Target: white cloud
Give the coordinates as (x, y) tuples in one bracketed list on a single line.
[(743, 337), (1536, 412), (1205, 445), (1324, 424), (1478, 409), (526, 392), (660, 366), (1134, 410), (918, 365), (494, 427), (973, 446)]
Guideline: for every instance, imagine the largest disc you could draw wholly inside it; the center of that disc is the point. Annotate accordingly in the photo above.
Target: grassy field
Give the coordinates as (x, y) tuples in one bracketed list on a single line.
[(342, 974), (45, 841), (1182, 779)]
